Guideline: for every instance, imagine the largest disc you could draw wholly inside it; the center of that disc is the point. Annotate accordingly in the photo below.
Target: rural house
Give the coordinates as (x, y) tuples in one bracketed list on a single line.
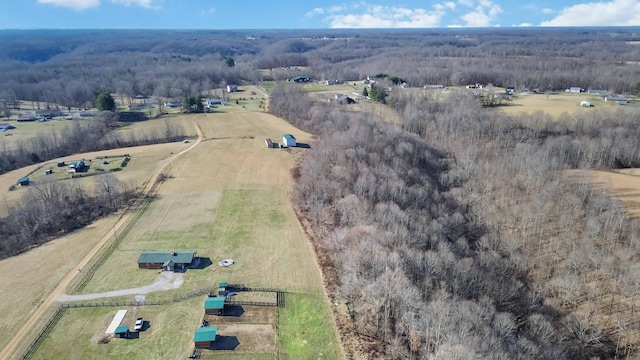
[(301, 79), (205, 336), (23, 181), (232, 88), (26, 117), (288, 140), (575, 89), (214, 305), (48, 114), (169, 261)]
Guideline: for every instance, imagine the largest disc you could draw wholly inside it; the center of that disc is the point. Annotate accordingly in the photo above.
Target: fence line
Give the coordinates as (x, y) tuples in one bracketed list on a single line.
[(87, 275), (109, 303), (46, 329)]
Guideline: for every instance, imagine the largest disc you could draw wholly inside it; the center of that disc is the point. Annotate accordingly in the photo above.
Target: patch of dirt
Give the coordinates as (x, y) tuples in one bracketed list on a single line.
[(252, 337), (100, 336), (245, 314)]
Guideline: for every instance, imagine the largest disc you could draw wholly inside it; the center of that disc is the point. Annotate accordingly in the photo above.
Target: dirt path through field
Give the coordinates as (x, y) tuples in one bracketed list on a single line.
[(28, 326)]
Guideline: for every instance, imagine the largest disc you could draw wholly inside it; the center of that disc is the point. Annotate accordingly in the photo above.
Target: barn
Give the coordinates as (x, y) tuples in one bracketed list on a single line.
[(205, 336), (214, 305), (169, 261), (289, 140)]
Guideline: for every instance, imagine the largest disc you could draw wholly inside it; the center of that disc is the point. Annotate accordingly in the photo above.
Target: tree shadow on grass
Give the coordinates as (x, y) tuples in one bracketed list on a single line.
[(225, 343)]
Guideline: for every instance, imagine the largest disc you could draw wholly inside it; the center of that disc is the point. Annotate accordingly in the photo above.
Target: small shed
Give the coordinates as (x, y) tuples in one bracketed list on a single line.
[(585, 104), (122, 331), (232, 88), (214, 305), (23, 181), (205, 336), (269, 143), (5, 127), (289, 140)]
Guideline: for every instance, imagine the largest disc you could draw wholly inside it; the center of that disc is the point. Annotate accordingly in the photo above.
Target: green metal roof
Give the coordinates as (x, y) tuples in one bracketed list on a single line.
[(289, 136), (214, 303), (223, 284), (207, 333), (154, 257), (121, 329), (169, 262), (23, 179)]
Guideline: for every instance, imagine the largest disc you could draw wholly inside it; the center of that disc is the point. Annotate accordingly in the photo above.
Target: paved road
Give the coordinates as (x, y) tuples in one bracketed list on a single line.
[(35, 318)]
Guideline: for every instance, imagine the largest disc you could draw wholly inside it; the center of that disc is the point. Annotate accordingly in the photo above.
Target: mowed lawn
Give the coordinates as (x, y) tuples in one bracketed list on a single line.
[(228, 198)]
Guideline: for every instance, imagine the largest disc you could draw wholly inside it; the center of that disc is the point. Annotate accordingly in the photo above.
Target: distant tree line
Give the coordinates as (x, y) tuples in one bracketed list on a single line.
[(81, 137), (463, 235), (54, 208), (72, 70)]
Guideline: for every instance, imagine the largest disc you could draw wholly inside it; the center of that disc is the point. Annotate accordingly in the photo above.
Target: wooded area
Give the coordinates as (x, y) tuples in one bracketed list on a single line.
[(462, 233)]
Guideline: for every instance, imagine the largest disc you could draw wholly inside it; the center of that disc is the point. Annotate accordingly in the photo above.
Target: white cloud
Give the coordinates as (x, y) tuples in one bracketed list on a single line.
[(548, 11), (315, 11), (209, 11), (378, 16), (482, 15), (142, 3), (72, 4), (524, 25), (604, 13)]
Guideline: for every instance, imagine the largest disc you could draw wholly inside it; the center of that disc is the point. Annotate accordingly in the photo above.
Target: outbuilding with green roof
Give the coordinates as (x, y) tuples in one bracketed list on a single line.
[(214, 305), (122, 331), (205, 336)]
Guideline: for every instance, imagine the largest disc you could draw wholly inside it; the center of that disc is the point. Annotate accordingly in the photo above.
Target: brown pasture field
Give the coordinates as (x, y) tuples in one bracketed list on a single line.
[(622, 184), (228, 198), (554, 104)]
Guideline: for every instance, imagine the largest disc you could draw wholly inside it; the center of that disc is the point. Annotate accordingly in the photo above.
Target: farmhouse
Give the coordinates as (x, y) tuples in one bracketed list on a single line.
[(575, 89), (214, 305), (26, 117), (205, 336), (169, 261), (289, 140), (172, 104), (77, 166), (597, 92), (619, 99), (48, 114), (232, 88), (434, 87), (344, 99)]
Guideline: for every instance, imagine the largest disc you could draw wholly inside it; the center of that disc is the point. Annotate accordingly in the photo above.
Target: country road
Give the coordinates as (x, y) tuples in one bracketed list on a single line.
[(27, 328)]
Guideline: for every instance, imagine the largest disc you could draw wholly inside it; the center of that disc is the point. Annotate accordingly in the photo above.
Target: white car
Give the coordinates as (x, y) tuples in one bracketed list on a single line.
[(139, 324)]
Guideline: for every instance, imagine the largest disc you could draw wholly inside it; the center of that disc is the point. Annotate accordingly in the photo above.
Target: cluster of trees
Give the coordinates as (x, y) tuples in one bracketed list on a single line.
[(81, 137), (462, 234), (53, 208)]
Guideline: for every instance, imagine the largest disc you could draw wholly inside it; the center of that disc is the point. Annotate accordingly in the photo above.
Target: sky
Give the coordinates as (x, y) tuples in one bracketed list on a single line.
[(312, 14)]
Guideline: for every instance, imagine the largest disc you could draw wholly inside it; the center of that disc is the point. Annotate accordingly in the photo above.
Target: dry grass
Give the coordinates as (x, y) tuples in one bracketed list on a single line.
[(622, 184), (554, 104), (28, 278)]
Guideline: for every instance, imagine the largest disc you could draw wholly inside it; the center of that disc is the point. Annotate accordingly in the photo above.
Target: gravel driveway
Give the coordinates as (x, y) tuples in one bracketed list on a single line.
[(166, 281)]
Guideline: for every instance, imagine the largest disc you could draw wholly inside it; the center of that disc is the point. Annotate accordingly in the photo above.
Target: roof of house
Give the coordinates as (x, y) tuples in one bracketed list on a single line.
[(23, 179), (288, 136), (216, 302), (223, 284), (207, 333), (162, 257), (121, 329)]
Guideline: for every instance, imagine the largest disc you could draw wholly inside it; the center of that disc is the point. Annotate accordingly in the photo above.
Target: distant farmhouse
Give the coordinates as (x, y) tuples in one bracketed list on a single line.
[(172, 104), (232, 88), (27, 117), (169, 261), (343, 99), (575, 90), (48, 114)]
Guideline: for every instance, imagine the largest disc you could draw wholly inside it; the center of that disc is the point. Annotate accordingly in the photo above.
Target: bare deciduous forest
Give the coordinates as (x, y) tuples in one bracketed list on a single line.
[(461, 233)]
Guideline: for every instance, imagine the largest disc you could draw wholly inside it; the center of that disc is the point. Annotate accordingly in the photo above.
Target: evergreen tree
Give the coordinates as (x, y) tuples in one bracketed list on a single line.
[(104, 101)]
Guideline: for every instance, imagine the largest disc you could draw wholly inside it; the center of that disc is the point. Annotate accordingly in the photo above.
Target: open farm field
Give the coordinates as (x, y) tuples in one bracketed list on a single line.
[(28, 278), (30, 129), (143, 160), (554, 104), (228, 198), (622, 184)]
